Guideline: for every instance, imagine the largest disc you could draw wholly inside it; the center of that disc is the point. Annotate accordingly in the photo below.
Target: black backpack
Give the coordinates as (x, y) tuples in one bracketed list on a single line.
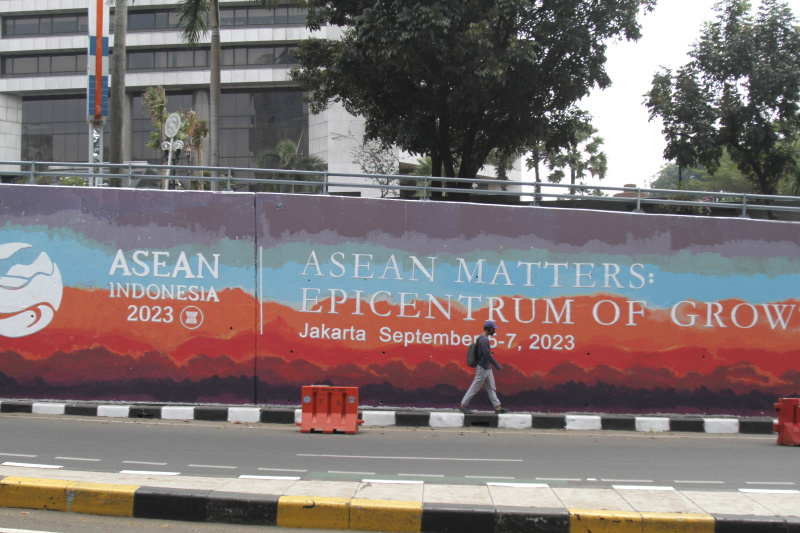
[(472, 355)]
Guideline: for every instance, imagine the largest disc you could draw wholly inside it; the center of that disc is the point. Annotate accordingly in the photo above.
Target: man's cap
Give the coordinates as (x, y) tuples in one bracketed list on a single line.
[(490, 324)]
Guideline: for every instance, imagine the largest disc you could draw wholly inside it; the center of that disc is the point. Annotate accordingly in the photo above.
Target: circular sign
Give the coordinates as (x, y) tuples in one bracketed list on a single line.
[(172, 125)]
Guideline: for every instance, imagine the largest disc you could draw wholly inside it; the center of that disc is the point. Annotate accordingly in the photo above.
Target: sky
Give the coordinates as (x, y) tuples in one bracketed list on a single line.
[(633, 144)]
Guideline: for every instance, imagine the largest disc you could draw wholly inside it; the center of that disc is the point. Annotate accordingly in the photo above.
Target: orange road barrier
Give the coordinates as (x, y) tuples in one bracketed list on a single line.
[(788, 426), (330, 409)]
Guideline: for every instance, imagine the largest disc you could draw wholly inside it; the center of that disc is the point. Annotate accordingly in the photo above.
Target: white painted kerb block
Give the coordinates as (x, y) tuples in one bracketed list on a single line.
[(721, 425), (446, 420), (177, 413), (514, 421), (379, 418), (583, 422), (113, 411), (49, 408), (652, 424), (247, 415)]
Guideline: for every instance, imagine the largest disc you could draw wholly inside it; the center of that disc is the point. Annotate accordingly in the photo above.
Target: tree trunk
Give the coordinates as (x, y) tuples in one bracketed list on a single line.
[(117, 99), (215, 95)]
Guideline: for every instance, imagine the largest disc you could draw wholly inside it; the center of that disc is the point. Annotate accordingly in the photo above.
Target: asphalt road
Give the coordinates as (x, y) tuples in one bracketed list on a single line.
[(685, 461)]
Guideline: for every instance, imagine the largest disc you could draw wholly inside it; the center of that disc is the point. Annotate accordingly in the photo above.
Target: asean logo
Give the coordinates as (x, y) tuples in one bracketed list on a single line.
[(30, 293)]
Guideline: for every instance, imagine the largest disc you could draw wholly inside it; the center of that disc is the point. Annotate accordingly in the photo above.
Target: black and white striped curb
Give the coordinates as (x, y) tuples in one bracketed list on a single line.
[(405, 418)]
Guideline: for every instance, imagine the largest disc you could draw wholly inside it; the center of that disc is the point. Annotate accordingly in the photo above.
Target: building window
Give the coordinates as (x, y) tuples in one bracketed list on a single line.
[(45, 25), (45, 65), (150, 20), (55, 129)]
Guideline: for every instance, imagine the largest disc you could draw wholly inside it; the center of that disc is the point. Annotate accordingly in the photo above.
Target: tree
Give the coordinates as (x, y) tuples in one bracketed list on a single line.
[(455, 79), (726, 178), (194, 21), (374, 158), (286, 156), (582, 155), (117, 98), (740, 93)]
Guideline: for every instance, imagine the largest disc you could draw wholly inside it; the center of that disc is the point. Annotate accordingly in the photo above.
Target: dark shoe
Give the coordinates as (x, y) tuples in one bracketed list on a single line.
[(501, 410), (464, 409)]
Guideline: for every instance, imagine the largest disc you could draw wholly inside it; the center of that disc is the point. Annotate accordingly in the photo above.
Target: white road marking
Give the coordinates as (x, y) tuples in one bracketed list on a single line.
[(149, 473), (640, 487), (627, 480), (29, 465), (482, 459), (769, 483), (700, 482), (78, 459), (396, 481), (281, 470), (7, 530), (286, 478), (16, 455), (421, 475), (488, 477), (143, 463), (353, 473), (214, 466), (771, 491), (559, 479), (521, 485)]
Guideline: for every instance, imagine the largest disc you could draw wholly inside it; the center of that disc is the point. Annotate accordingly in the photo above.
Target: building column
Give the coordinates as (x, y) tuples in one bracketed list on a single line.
[(10, 129)]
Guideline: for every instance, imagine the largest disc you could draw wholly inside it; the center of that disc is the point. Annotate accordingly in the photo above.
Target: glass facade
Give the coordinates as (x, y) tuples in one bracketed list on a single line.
[(55, 129), (151, 20)]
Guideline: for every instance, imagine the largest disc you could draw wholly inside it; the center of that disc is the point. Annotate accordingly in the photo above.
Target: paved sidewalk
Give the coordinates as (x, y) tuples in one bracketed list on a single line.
[(375, 505)]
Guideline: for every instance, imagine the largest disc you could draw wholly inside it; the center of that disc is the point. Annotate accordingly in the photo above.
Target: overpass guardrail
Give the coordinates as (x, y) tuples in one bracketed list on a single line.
[(408, 186)]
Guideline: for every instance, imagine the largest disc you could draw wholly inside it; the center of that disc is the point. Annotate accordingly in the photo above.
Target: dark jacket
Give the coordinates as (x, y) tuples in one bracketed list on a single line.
[(485, 354)]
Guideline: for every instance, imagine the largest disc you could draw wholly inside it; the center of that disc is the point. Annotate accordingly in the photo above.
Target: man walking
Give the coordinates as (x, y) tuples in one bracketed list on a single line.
[(483, 371)]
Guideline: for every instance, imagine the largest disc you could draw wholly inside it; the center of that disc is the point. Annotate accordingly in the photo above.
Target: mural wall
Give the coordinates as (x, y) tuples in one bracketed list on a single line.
[(241, 298)]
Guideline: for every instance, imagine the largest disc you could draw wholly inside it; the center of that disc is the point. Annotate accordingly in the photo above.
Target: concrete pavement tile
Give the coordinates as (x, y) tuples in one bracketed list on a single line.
[(778, 504), (461, 494), (327, 489), (404, 492), (258, 486), (600, 499), (732, 503), (659, 501), (507, 496)]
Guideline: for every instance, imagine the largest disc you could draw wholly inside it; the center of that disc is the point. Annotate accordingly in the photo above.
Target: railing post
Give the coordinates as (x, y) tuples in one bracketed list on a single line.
[(325, 182), (638, 201), (130, 175), (229, 178), (33, 172), (744, 206)]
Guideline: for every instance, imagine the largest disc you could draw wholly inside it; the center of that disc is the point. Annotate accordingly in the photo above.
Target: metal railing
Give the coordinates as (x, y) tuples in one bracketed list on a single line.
[(404, 186)]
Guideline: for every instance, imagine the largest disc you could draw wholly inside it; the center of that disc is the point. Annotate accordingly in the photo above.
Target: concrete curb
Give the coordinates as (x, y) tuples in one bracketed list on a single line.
[(406, 418), (353, 513)]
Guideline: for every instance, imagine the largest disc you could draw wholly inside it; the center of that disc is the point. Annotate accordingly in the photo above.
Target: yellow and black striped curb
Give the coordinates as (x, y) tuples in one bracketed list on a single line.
[(356, 514)]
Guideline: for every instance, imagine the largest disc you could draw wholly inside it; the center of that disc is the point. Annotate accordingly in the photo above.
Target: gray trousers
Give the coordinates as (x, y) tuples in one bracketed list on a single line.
[(483, 376)]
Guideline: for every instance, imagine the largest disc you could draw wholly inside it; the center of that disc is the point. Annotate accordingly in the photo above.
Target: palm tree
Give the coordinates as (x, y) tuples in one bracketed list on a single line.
[(117, 98), (194, 27), (286, 156), (584, 143)]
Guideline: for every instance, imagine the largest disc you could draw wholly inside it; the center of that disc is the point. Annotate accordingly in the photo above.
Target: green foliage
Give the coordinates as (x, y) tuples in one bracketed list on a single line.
[(581, 156), (456, 79), (286, 156), (727, 178), (73, 181), (740, 93)]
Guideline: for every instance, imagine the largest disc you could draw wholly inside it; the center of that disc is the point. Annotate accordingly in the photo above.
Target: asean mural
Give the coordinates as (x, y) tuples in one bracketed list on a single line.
[(168, 296), (126, 295), (596, 311)]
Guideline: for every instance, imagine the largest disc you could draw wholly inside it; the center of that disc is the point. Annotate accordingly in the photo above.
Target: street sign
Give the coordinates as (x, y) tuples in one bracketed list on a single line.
[(172, 125)]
